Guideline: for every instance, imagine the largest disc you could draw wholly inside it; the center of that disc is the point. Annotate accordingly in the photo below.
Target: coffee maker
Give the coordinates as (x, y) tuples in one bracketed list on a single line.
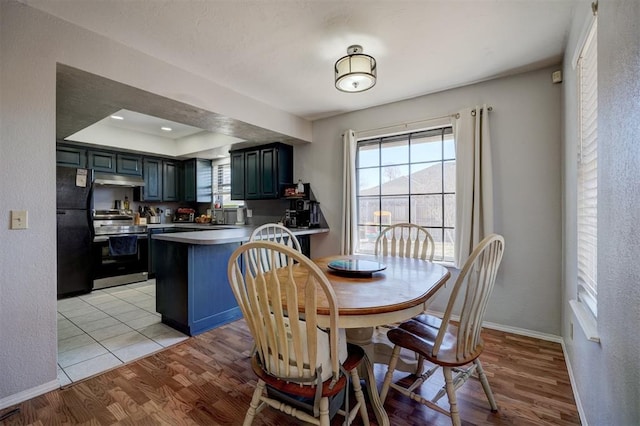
[(302, 214)]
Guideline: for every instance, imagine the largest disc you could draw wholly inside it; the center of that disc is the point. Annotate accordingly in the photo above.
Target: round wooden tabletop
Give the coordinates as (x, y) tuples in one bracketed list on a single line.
[(404, 283)]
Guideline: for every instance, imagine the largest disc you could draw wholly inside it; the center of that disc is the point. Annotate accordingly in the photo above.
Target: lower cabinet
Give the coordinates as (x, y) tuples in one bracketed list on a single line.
[(193, 294)]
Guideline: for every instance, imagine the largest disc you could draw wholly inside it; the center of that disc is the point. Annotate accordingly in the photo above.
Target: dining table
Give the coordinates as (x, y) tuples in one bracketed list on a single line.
[(373, 291)]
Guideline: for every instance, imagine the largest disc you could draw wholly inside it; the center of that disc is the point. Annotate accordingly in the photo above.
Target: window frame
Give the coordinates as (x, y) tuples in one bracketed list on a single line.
[(446, 134), (224, 189), (586, 179)]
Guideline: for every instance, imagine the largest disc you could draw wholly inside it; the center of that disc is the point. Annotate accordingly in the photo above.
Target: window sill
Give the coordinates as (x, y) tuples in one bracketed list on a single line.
[(586, 320)]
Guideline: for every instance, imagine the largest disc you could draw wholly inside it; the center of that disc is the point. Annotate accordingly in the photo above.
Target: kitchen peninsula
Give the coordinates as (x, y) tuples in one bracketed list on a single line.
[(192, 289)]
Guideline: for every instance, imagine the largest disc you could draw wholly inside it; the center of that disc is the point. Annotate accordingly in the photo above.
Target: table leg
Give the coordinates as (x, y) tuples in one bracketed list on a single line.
[(362, 337)]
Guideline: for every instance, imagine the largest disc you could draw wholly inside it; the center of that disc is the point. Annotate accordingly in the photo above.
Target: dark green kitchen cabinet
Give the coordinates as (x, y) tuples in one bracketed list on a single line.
[(71, 156), (237, 176), (152, 172), (264, 171), (102, 161), (252, 175), (198, 180), (170, 181), (127, 164)]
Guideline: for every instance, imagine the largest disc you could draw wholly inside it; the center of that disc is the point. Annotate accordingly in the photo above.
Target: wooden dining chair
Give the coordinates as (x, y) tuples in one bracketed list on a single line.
[(455, 348), (279, 234), (303, 367), (405, 240)]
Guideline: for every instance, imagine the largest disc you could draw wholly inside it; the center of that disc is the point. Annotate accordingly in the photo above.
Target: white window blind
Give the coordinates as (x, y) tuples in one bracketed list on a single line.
[(587, 219)]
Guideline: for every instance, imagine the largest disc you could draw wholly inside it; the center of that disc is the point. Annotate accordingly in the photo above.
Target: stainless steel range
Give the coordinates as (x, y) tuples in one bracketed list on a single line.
[(120, 249)]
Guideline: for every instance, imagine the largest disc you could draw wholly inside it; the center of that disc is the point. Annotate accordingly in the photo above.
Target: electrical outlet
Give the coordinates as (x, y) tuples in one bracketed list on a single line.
[(167, 212), (19, 219), (249, 213)]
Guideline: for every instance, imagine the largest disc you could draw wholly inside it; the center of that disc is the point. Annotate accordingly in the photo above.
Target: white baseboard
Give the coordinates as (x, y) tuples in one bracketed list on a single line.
[(508, 329), (523, 332), (28, 394), (541, 336)]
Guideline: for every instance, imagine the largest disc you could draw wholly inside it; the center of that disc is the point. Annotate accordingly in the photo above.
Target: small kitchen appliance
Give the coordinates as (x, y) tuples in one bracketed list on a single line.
[(240, 216), (184, 214), (302, 214)]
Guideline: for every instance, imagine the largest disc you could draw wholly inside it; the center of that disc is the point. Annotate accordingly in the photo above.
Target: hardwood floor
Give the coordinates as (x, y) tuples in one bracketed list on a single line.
[(207, 381)]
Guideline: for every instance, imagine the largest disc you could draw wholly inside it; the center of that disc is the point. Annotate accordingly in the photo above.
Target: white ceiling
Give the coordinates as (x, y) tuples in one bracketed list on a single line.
[(142, 123), (282, 52)]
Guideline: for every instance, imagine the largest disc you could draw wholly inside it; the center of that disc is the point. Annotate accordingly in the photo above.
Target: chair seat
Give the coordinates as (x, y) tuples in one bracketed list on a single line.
[(354, 357), (419, 335)]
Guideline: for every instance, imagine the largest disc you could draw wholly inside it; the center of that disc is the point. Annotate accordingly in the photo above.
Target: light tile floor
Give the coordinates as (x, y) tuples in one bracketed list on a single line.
[(106, 328)]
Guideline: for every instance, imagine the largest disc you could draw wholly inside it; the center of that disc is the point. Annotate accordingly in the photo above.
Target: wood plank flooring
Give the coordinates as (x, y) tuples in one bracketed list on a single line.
[(207, 380)]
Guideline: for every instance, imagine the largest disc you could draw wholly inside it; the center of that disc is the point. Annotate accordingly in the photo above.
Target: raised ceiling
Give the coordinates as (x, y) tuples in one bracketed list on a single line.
[(84, 99)]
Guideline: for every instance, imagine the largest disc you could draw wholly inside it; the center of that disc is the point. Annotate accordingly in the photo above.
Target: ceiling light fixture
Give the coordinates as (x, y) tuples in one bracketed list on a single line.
[(117, 117), (166, 129), (355, 72)]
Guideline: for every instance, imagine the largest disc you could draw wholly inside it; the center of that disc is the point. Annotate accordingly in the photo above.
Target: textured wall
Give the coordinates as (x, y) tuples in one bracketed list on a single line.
[(608, 374), (526, 143), (31, 43)]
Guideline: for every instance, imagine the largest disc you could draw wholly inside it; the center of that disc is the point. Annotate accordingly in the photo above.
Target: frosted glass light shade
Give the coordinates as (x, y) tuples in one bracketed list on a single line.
[(355, 72)]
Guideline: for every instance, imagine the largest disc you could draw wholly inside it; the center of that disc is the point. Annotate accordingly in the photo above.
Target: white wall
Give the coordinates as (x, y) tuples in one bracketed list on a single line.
[(31, 43), (607, 374), (526, 133)]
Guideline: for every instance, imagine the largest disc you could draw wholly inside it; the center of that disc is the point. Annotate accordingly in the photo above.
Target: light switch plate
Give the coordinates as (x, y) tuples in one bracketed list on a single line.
[(19, 219)]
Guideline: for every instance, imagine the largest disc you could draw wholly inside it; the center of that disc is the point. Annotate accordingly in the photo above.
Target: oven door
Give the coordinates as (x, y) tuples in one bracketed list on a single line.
[(113, 270)]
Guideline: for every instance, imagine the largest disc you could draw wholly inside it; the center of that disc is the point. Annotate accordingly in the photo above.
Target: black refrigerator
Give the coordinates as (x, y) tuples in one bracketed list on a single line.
[(74, 203)]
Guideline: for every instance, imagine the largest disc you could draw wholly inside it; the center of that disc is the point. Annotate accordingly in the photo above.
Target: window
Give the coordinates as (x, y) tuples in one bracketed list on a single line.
[(587, 206), (407, 178), (222, 179)]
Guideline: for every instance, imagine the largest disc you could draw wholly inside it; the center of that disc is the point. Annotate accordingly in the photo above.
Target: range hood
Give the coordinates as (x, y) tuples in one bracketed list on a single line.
[(109, 179)]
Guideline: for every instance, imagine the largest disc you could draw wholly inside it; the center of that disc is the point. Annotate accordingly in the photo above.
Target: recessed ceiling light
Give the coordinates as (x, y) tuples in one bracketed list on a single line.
[(117, 117), (166, 129)]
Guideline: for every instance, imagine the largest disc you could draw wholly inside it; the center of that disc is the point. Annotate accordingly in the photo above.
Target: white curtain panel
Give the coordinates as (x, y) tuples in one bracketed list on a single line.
[(474, 181), (349, 210)]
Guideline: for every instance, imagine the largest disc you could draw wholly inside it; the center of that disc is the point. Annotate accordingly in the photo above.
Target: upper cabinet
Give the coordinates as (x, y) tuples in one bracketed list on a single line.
[(71, 156), (170, 180), (127, 164), (237, 175), (102, 161), (198, 180), (152, 172), (260, 173)]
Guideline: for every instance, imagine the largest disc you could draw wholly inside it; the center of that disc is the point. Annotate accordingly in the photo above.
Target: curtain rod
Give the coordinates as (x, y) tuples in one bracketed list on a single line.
[(473, 111), (409, 123)]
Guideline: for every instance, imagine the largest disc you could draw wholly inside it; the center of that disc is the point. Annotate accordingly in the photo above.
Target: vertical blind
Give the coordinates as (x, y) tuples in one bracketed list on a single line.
[(588, 171)]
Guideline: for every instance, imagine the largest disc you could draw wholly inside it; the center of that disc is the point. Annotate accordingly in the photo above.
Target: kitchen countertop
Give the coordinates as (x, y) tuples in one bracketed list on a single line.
[(191, 225), (219, 234)]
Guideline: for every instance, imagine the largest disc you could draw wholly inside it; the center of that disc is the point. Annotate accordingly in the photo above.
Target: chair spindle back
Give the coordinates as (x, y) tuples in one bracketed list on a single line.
[(478, 277), (405, 240)]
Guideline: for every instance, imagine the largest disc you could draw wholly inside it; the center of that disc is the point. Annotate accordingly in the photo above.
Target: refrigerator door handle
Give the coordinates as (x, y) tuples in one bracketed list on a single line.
[(61, 212)]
